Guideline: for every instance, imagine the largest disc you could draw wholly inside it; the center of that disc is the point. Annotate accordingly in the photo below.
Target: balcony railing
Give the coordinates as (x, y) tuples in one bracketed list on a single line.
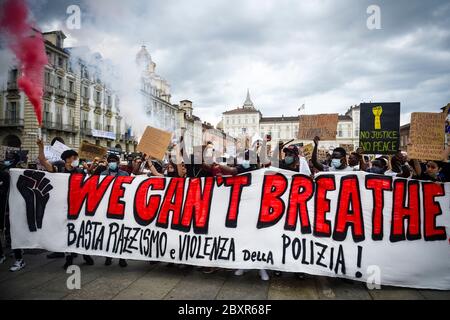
[(50, 125), (129, 138), (70, 128), (48, 89), (11, 122), (71, 96), (86, 129), (85, 101), (60, 93)]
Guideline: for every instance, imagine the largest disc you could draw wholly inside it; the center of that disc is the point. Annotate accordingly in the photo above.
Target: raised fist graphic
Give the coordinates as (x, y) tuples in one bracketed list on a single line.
[(34, 188)]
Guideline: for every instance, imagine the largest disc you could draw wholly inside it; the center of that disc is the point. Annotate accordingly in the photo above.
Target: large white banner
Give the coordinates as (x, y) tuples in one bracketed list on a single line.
[(353, 225)]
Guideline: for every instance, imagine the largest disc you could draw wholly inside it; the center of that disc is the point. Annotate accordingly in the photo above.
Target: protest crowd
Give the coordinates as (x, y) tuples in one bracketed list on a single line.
[(209, 163)]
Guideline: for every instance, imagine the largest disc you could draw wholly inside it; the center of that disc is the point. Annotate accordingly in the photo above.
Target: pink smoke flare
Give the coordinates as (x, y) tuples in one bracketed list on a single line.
[(28, 46)]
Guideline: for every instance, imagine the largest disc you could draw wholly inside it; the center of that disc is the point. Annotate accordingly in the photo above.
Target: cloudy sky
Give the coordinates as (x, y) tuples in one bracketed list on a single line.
[(287, 53)]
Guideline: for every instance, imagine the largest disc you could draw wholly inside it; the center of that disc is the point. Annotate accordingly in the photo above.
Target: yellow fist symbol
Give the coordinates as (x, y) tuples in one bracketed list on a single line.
[(377, 111)]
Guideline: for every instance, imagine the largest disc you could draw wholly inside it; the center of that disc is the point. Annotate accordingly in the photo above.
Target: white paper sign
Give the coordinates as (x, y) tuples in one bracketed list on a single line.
[(53, 153)]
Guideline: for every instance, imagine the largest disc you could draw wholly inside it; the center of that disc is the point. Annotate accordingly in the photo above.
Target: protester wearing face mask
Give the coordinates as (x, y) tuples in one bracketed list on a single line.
[(113, 170), (70, 165), (293, 161), (338, 159)]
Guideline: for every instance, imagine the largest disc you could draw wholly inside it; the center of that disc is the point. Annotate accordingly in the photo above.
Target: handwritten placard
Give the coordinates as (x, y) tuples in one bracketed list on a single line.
[(349, 147), (154, 142), (379, 127), (308, 150), (89, 151), (321, 125), (427, 135), (322, 154)]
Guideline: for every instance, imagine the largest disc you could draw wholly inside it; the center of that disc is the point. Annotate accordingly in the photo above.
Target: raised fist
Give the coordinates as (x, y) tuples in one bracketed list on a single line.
[(34, 188)]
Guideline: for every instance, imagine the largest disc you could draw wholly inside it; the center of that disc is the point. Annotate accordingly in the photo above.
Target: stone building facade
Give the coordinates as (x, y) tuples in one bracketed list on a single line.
[(76, 105)]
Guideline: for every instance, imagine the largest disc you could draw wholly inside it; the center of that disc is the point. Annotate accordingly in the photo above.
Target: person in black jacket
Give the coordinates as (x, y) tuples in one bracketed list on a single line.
[(113, 170), (70, 165)]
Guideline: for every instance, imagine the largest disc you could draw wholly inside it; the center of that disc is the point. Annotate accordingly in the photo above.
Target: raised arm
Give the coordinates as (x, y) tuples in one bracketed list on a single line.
[(446, 154), (316, 163), (362, 163), (153, 169), (417, 167), (42, 159)]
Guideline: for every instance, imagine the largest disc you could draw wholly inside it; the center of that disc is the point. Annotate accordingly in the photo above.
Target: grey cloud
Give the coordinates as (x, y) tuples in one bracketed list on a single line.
[(286, 52)]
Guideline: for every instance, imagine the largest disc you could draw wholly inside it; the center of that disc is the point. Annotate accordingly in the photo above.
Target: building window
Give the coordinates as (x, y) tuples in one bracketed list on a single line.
[(11, 111), (60, 83), (48, 79), (118, 126), (98, 125), (47, 114), (60, 62), (85, 92), (70, 86), (59, 116), (71, 117)]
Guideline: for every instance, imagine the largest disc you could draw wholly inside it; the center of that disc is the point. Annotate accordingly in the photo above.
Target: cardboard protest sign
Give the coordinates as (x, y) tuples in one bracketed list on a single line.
[(349, 147), (380, 127), (308, 150), (427, 135), (154, 142), (322, 153), (321, 125), (89, 151), (335, 225)]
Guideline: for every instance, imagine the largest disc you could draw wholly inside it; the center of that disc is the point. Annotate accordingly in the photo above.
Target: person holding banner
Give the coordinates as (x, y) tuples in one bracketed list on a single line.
[(113, 170), (12, 161), (356, 160), (4, 190), (378, 166), (293, 161), (399, 166), (338, 159), (70, 165)]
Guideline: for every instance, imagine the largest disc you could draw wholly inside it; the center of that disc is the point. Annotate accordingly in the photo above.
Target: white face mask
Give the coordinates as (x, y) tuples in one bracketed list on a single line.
[(336, 163), (75, 163)]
